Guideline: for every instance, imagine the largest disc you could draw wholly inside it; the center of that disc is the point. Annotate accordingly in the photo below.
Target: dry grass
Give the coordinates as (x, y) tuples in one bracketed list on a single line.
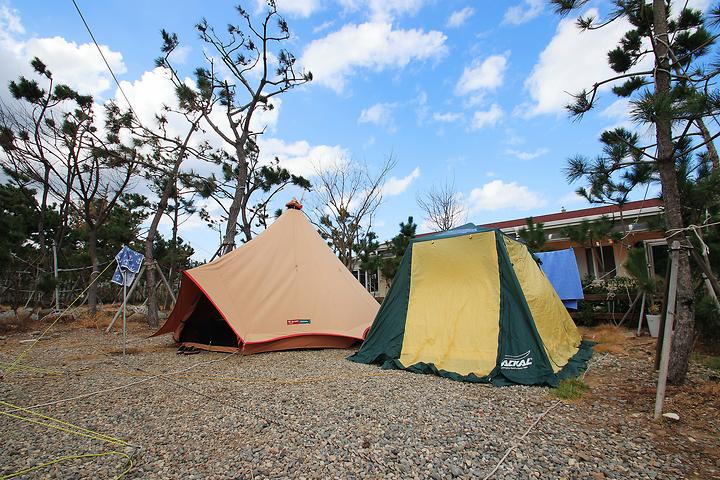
[(610, 339)]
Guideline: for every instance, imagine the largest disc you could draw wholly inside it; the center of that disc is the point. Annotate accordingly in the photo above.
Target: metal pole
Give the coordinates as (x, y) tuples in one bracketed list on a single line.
[(123, 308), (57, 283), (132, 289), (667, 334)]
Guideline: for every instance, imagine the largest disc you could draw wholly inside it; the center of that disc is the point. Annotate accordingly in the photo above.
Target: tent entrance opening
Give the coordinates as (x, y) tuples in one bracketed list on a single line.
[(205, 325)]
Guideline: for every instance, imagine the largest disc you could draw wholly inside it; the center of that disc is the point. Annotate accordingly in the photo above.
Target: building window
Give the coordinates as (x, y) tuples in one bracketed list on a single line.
[(589, 258), (369, 280), (374, 282), (604, 258), (659, 259), (607, 257)]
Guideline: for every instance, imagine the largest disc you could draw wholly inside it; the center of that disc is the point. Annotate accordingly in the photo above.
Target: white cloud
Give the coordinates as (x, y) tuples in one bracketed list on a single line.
[(480, 76), (523, 12), (421, 107), (379, 114), (496, 195), (148, 95), (383, 10), (180, 54), (513, 138), (323, 26), (293, 8), (10, 20), (396, 186), (447, 117), (701, 5), (300, 157), (487, 118), (619, 109), (153, 91), (459, 17), (78, 65), (571, 62), (527, 155), (571, 198), (375, 46)]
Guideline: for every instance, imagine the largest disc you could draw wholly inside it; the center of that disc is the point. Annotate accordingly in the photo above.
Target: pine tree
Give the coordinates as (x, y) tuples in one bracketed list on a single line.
[(673, 96), (533, 234), (398, 245), (240, 79)]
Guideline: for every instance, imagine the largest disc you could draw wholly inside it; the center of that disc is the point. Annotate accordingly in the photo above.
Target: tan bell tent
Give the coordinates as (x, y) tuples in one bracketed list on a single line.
[(284, 289)]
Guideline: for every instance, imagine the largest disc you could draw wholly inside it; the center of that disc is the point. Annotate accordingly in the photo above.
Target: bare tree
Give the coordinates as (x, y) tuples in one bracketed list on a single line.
[(347, 196), (443, 206)]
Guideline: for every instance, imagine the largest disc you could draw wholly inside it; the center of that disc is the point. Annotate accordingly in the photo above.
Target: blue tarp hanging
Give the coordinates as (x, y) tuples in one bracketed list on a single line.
[(561, 269), (128, 262)]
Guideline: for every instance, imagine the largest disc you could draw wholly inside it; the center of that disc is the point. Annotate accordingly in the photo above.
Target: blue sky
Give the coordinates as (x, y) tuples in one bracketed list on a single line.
[(470, 91)]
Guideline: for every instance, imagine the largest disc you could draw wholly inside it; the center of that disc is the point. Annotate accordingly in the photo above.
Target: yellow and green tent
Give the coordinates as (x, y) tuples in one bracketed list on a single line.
[(472, 304)]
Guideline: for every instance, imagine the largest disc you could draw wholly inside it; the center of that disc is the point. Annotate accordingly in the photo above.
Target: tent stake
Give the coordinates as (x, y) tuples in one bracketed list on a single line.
[(667, 334)]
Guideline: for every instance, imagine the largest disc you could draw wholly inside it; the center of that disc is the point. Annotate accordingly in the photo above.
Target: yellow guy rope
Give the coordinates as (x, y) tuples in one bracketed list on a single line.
[(68, 428), (82, 294), (71, 457), (21, 366)]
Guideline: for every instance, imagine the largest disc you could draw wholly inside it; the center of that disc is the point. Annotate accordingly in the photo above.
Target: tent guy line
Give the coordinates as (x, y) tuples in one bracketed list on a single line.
[(119, 387)]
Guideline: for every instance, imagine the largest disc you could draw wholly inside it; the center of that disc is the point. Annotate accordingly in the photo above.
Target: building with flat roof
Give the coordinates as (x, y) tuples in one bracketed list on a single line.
[(605, 258), (631, 222)]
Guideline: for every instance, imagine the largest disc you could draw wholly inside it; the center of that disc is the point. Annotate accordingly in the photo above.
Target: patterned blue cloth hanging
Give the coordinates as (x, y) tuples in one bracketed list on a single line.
[(128, 262)]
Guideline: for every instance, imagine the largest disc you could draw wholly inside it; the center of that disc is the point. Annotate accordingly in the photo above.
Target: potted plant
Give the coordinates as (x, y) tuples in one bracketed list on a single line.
[(647, 284), (653, 319)]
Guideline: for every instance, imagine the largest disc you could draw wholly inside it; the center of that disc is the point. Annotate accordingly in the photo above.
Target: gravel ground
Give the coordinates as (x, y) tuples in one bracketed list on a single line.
[(307, 414)]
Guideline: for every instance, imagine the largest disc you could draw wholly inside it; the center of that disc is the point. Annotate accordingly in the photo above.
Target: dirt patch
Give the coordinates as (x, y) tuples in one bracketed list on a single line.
[(609, 338), (12, 321), (628, 387)]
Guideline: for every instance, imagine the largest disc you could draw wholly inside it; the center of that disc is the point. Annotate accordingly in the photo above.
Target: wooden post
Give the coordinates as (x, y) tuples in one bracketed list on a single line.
[(711, 283), (659, 344), (129, 293), (642, 312), (167, 285), (57, 283), (667, 333)]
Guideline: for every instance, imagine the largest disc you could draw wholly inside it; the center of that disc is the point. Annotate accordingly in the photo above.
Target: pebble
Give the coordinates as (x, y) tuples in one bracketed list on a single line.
[(303, 414)]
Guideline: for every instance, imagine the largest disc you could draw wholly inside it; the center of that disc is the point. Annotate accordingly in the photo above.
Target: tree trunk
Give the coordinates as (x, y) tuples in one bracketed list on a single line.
[(234, 212), (42, 241), (153, 317), (685, 310), (92, 290), (707, 138)]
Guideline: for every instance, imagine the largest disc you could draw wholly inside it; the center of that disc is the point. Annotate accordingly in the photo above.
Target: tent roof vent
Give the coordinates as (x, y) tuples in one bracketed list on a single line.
[(294, 205)]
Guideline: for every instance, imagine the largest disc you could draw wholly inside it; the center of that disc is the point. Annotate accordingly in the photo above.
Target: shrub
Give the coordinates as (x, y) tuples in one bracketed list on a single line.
[(570, 389)]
